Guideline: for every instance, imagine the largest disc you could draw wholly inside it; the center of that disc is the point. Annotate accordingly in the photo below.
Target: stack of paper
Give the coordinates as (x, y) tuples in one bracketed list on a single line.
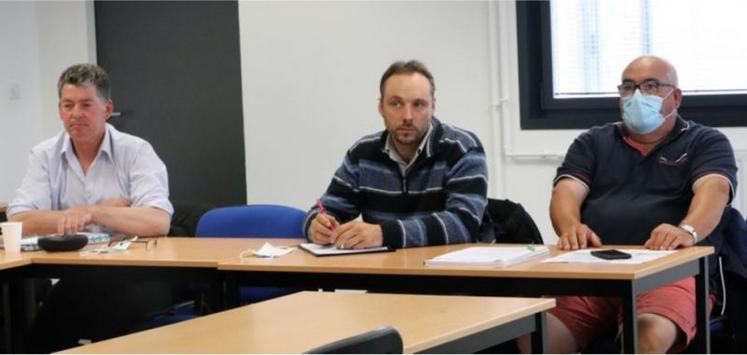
[(490, 256)]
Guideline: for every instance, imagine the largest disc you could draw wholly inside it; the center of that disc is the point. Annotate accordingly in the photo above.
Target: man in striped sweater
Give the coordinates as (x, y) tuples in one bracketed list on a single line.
[(419, 182)]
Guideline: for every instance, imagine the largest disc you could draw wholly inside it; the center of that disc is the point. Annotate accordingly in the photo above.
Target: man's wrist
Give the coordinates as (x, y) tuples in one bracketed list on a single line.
[(690, 230), (94, 211)]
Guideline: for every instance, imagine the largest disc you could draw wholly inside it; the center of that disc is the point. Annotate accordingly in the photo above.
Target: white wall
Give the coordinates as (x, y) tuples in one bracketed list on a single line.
[(310, 74), (37, 41), (19, 91)]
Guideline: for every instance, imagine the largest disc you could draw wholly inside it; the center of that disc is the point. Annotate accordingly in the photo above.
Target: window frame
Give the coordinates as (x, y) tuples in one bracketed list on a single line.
[(540, 110)]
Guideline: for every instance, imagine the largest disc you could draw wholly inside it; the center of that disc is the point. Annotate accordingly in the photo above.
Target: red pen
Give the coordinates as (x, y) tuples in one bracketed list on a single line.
[(323, 211)]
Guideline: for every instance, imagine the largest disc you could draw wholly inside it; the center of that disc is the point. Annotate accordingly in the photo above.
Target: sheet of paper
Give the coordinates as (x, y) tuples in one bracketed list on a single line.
[(490, 256), (583, 256)]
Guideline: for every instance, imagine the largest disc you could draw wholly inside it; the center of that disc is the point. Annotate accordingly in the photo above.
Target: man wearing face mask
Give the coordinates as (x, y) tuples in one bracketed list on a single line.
[(653, 179)]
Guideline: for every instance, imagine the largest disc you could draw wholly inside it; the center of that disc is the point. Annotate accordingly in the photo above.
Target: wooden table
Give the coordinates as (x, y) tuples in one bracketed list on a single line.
[(11, 271), (166, 252), (403, 271), (12, 261), (299, 322), (171, 258)]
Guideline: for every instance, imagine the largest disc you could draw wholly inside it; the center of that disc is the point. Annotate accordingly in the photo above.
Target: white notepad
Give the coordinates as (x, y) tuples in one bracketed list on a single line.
[(329, 250), (500, 256)]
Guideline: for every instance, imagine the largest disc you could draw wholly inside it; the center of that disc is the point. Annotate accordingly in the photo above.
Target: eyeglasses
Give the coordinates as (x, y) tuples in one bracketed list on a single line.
[(648, 87)]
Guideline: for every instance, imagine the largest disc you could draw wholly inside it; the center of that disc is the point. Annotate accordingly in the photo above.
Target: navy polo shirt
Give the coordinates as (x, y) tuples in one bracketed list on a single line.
[(630, 194)]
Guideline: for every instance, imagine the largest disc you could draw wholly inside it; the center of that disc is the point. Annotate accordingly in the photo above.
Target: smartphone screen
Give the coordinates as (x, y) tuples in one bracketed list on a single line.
[(610, 254)]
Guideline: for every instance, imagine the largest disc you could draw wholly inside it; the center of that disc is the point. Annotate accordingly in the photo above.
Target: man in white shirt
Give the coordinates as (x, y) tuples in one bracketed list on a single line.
[(91, 177)]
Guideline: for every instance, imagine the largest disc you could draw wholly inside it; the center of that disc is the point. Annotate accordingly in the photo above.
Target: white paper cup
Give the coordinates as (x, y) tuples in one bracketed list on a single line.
[(12, 236)]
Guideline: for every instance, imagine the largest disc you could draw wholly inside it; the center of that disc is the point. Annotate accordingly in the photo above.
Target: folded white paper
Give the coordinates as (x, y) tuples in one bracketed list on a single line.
[(268, 251)]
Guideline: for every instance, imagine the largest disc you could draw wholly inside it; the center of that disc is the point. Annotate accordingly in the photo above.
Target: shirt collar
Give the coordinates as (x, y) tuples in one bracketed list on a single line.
[(105, 148), (392, 151)]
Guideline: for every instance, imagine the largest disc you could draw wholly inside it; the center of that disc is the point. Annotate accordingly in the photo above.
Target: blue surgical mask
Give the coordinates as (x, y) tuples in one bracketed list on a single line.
[(641, 113)]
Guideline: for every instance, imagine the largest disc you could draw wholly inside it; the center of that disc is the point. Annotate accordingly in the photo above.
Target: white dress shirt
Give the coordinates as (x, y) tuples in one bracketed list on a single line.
[(125, 167)]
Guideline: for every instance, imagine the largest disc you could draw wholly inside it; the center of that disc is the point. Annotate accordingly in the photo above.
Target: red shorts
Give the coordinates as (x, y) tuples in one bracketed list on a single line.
[(590, 317)]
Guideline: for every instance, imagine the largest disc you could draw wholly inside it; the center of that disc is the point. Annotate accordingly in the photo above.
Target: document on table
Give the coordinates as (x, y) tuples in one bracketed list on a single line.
[(489, 256), (330, 250), (583, 256)]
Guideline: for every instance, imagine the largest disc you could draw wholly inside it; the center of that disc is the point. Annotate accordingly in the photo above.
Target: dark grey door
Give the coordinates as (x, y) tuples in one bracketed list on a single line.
[(176, 79)]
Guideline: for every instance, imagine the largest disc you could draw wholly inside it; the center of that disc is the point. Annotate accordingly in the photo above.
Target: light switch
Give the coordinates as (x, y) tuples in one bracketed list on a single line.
[(14, 93)]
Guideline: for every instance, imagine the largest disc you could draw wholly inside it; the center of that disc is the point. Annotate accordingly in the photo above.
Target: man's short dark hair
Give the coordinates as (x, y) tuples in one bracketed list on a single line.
[(86, 74), (409, 67)]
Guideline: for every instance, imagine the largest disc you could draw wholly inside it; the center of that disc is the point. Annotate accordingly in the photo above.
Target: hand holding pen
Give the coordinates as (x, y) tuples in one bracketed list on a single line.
[(323, 227)]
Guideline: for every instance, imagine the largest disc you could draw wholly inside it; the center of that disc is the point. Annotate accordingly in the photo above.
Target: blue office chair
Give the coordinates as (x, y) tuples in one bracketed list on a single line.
[(254, 221)]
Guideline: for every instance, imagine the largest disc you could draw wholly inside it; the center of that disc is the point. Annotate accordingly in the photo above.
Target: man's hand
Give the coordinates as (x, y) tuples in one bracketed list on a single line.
[(667, 237), (578, 236), (74, 220), (357, 235), (322, 229)]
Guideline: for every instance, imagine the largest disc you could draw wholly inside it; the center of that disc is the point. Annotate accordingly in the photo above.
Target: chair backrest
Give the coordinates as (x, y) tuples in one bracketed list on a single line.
[(512, 223), (384, 340), (186, 216), (268, 221)]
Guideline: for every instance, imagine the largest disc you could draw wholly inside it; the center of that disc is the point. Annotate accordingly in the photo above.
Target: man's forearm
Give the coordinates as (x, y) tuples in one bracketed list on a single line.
[(707, 205), (38, 222), (143, 221), (565, 205)]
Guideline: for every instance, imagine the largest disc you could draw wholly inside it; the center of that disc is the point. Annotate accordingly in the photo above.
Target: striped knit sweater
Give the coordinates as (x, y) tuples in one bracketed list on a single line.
[(441, 199)]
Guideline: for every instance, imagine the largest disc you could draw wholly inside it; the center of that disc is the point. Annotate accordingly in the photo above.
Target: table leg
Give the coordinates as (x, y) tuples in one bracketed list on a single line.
[(630, 323), (7, 334), (702, 340), (539, 336)]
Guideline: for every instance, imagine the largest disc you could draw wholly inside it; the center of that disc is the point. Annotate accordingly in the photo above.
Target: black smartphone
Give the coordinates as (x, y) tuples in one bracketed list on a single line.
[(610, 254)]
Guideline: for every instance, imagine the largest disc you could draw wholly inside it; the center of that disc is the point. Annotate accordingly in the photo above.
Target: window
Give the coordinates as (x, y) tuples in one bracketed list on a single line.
[(572, 53)]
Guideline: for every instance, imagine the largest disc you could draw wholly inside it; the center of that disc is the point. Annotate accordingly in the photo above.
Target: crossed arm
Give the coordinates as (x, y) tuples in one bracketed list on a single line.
[(115, 214)]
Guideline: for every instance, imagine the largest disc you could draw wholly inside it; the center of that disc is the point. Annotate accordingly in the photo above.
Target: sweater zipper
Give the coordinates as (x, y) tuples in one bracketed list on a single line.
[(403, 176)]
